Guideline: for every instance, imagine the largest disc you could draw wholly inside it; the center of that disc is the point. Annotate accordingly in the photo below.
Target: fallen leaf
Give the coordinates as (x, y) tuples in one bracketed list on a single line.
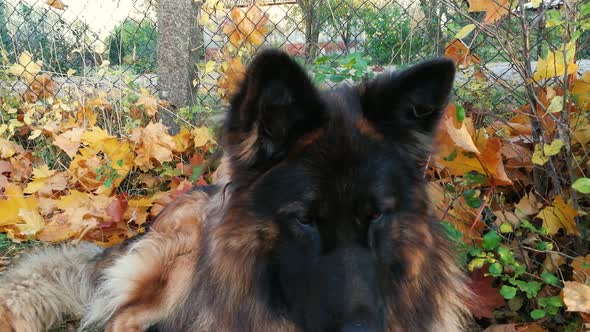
[(182, 140), (487, 298), (153, 144), (32, 222), (69, 141), (581, 267), (10, 208), (201, 136), (576, 296), (149, 102), (558, 216)]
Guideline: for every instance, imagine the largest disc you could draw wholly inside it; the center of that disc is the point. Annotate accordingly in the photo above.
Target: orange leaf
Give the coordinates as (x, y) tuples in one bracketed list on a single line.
[(458, 51), (149, 102), (580, 90), (69, 141), (153, 143), (495, 9)]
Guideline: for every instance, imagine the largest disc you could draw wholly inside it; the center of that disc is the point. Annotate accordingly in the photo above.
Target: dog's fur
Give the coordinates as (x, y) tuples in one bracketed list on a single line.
[(320, 222)]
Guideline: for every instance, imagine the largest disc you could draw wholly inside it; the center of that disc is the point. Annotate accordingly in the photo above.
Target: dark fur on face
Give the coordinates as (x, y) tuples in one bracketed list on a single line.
[(327, 227)]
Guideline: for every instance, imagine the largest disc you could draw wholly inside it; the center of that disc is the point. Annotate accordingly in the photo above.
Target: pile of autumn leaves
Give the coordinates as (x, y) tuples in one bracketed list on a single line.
[(63, 177)]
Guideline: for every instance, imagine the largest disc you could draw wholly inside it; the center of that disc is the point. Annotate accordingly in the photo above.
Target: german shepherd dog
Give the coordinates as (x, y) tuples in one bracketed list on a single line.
[(319, 222)]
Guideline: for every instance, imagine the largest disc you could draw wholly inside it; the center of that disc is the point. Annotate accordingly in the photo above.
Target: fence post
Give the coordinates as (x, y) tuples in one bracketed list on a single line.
[(178, 47)]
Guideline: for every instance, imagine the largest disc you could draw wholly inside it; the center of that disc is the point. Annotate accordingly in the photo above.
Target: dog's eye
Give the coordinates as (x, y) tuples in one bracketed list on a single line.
[(376, 217), (304, 222)]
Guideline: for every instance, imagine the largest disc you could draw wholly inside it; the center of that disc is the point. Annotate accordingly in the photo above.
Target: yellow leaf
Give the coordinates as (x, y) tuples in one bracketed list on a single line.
[(33, 222), (495, 9), (203, 18), (8, 148), (201, 136), (556, 104), (26, 67), (182, 140), (539, 157), (69, 141), (576, 296), (210, 66), (558, 216), (465, 31), (553, 148), (536, 3), (14, 202), (56, 4), (45, 181), (70, 72), (555, 62)]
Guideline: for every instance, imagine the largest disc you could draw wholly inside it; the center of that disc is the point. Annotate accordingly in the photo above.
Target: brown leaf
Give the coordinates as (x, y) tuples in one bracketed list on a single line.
[(581, 266), (487, 298), (576, 296), (56, 4)]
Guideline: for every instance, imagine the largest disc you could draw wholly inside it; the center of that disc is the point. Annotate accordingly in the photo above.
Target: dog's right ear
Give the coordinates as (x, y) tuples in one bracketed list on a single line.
[(276, 105)]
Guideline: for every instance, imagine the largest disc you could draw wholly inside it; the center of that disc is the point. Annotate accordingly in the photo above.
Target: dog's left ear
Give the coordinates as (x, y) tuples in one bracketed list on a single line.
[(410, 101)]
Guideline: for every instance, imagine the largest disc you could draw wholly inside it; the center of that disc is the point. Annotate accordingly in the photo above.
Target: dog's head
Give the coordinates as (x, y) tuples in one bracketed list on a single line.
[(339, 174)]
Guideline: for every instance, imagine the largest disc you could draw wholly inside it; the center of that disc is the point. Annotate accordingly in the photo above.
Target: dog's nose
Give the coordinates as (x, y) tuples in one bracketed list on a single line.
[(359, 326)]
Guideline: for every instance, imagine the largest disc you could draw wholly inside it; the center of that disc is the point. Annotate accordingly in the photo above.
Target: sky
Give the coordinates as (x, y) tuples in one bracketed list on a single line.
[(101, 15)]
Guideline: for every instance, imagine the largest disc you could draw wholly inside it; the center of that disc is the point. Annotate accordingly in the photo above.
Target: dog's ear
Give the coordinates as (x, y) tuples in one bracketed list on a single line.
[(275, 106), (409, 102)]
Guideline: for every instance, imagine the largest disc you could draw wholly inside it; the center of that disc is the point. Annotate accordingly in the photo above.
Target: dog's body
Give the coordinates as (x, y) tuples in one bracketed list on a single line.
[(319, 223)]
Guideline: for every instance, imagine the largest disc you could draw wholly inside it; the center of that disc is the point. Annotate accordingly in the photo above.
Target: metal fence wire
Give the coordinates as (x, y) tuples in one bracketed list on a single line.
[(111, 44)]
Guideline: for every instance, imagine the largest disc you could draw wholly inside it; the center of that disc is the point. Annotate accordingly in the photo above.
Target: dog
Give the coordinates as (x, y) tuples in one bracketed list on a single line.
[(320, 221)]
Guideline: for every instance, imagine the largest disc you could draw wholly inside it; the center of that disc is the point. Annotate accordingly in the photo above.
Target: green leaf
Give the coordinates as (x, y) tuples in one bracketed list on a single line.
[(551, 301), (452, 232), (508, 292), (495, 269), (506, 256), (537, 314), (460, 112), (530, 288), (582, 185), (550, 278), (472, 198), (491, 240), (451, 156)]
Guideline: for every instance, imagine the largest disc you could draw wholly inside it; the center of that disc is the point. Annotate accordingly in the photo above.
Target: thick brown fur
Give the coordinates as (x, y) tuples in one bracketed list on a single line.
[(204, 264)]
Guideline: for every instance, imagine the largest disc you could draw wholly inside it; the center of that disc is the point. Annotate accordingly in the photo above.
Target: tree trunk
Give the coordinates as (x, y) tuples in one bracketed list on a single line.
[(310, 9)]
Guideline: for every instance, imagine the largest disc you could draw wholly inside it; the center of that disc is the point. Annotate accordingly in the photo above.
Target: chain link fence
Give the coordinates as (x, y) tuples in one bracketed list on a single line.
[(111, 44)]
